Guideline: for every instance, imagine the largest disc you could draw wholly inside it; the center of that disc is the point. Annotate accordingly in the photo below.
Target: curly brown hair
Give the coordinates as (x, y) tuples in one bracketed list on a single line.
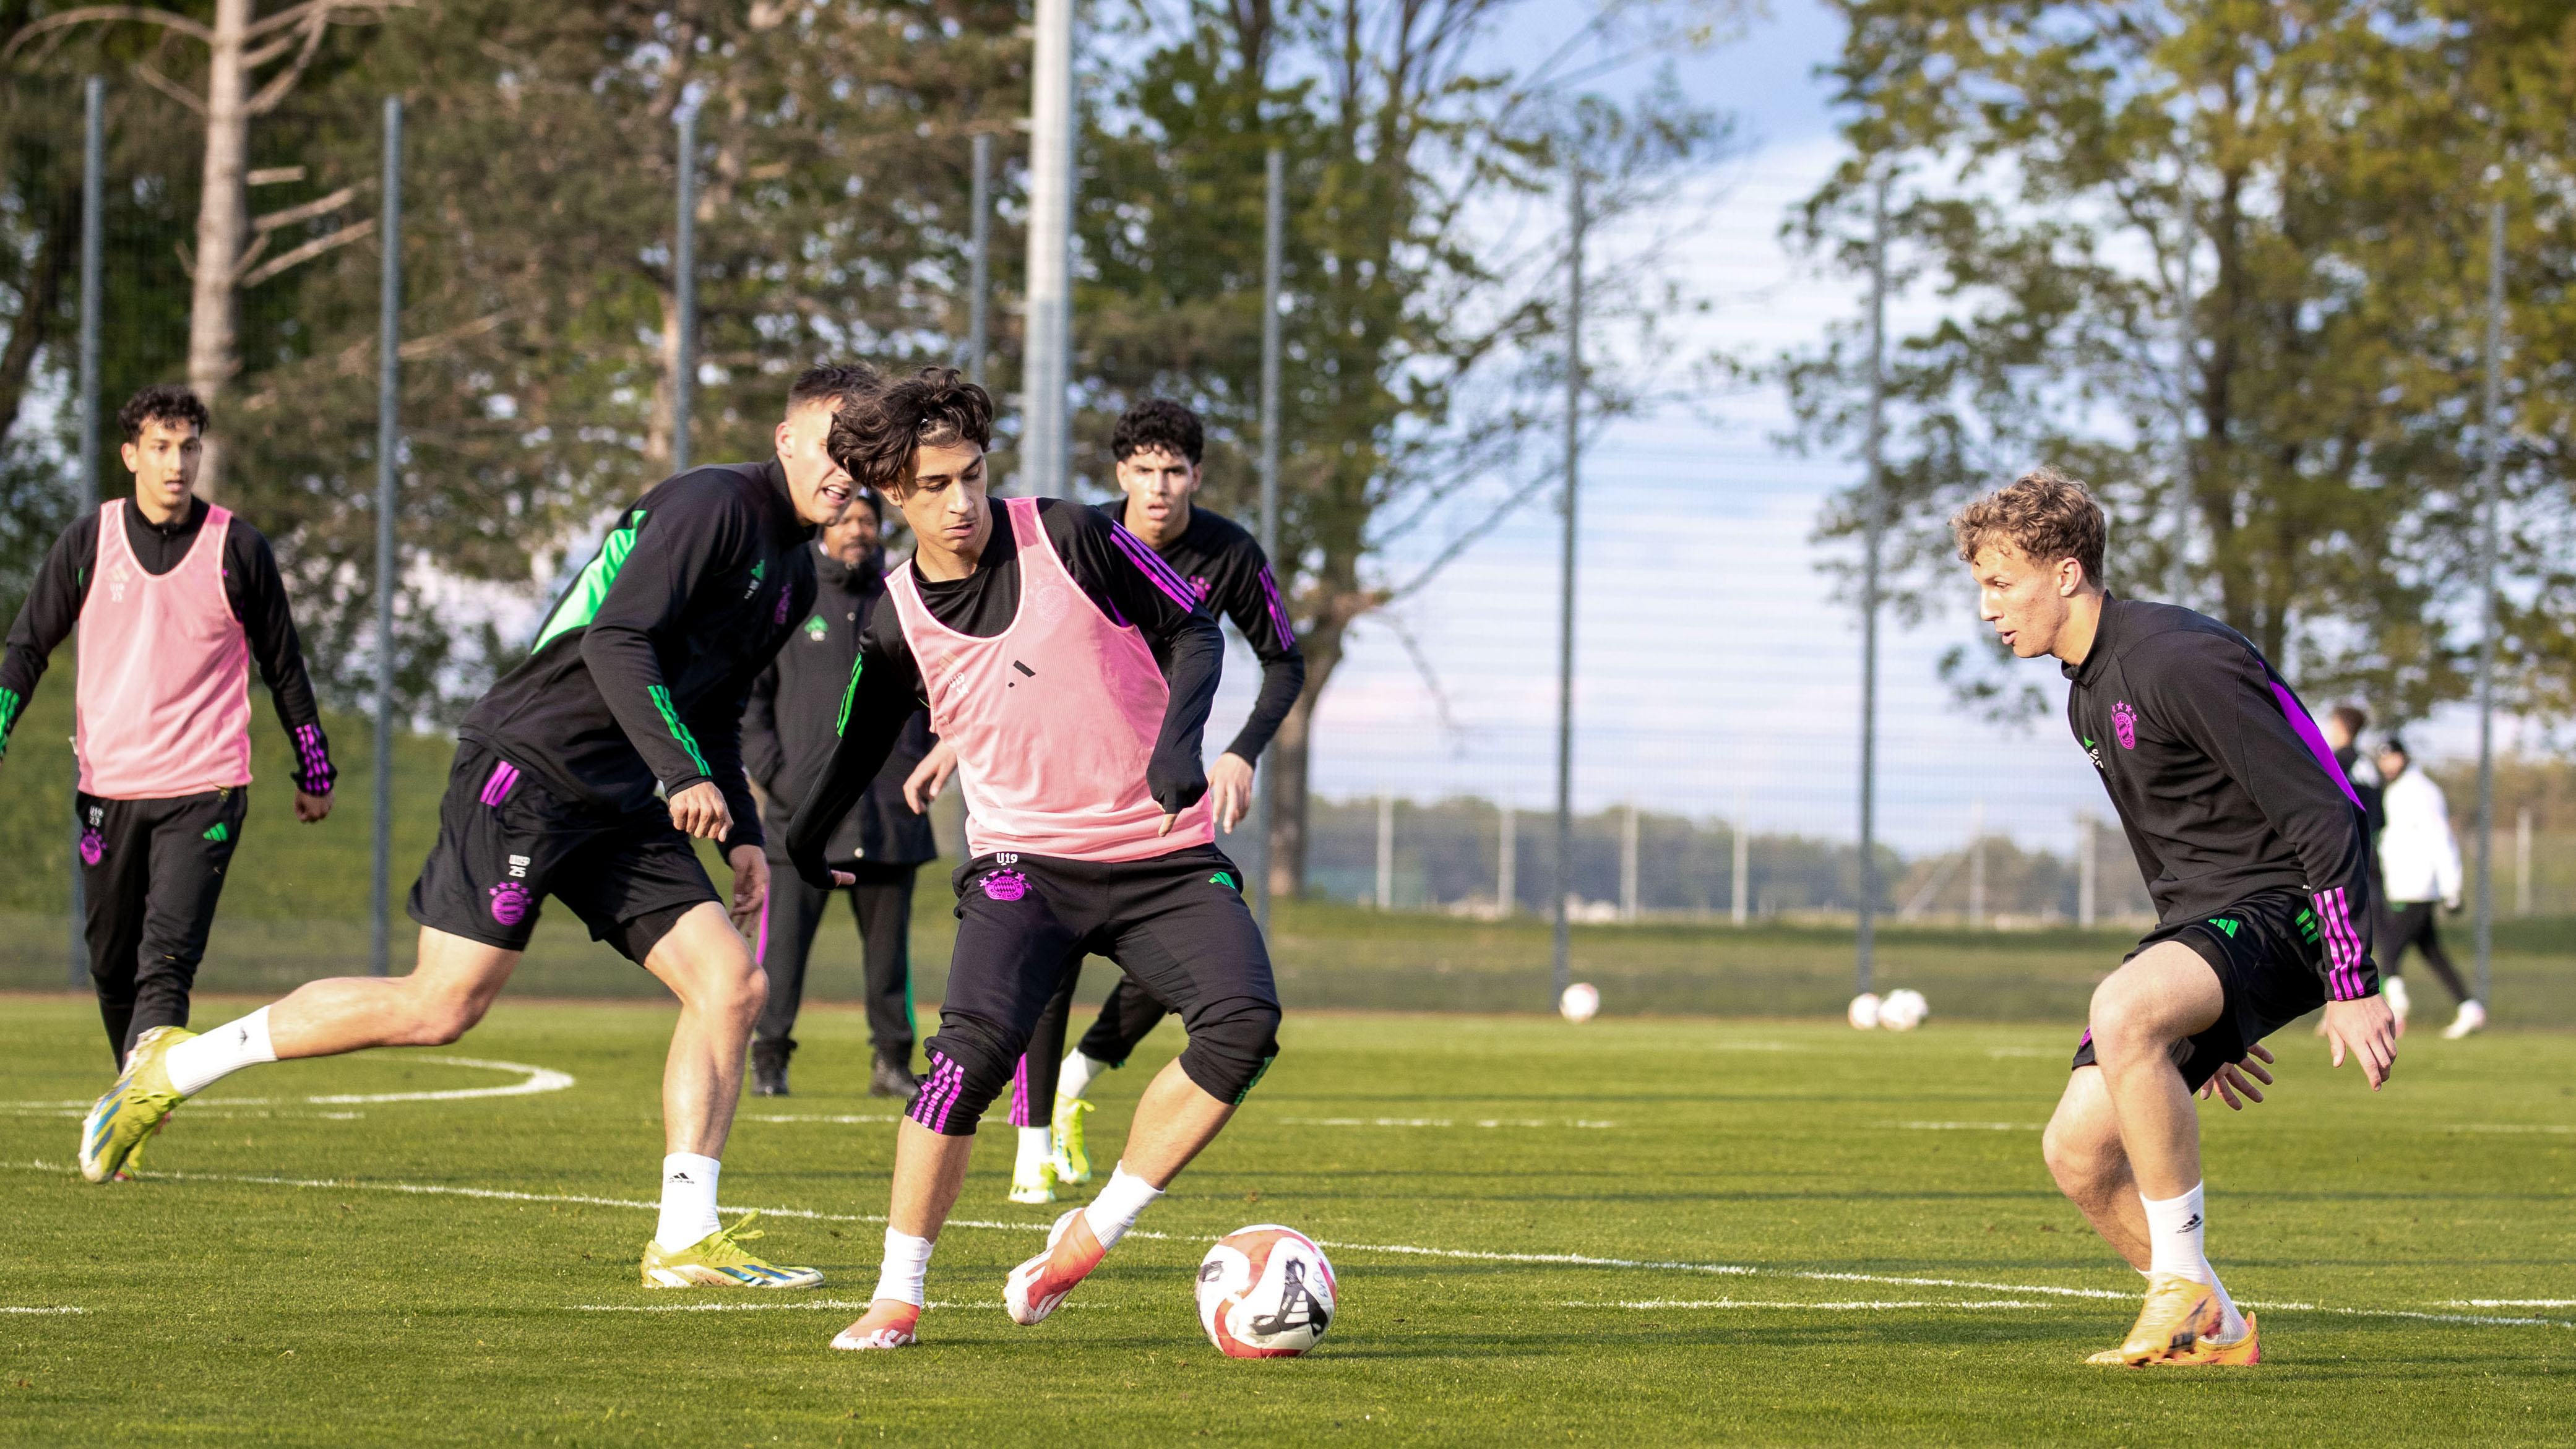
[(2044, 515), (878, 433), (164, 402)]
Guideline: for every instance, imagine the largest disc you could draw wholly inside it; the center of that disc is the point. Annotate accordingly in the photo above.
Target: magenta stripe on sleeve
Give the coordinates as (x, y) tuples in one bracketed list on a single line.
[(1153, 567), (1278, 612)]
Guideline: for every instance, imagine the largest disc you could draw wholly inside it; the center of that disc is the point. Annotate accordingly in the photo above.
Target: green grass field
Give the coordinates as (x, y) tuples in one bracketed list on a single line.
[(1805, 1235)]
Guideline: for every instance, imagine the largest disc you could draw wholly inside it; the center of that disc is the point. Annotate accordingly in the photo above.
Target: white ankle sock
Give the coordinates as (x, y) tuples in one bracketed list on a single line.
[(1113, 1212), (907, 1262), (688, 1200), (1037, 1144), (2174, 1235), (1074, 1078), (201, 1061)]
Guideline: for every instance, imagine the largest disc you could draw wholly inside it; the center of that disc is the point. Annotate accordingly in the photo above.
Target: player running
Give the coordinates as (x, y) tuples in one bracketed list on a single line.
[(191, 597), (1158, 444), (1071, 671), (636, 684), (2252, 847)]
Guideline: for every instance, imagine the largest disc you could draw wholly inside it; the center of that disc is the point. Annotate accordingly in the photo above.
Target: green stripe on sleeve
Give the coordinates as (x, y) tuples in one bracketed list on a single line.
[(581, 602), (679, 731), (10, 704), (850, 695)]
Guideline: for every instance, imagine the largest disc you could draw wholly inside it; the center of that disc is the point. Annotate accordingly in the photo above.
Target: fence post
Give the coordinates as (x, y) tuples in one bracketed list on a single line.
[(1385, 852), (388, 399), (1507, 868), (92, 279)]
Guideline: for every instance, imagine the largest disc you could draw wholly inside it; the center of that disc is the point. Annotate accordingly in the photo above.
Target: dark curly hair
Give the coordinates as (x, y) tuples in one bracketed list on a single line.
[(1159, 423), (877, 434), (162, 401)]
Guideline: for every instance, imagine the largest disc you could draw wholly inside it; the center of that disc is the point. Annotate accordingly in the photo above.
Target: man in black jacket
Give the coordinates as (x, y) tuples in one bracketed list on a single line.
[(2253, 849), (788, 735), (583, 774)]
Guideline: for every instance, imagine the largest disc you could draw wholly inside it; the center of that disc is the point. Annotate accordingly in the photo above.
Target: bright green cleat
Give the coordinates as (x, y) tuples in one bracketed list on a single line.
[(139, 1103), (718, 1261), (1072, 1159)]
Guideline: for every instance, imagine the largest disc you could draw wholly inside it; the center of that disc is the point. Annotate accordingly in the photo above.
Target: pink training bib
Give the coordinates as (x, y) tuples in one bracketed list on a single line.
[(163, 703), (1053, 719)]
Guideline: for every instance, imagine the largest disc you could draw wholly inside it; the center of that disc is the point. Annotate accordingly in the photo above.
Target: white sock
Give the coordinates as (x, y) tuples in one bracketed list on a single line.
[(907, 1262), (1037, 1144), (1113, 1212), (201, 1061), (2174, 1229), (1074, 1078), (688, 1200)]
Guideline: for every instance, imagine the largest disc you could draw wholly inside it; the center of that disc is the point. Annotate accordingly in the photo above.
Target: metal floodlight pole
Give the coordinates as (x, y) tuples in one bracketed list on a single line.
[(2490, 503), (979, 306), (92, 283), (388, 398), (1873, 529), (1274, 244), (1047, 373), (684, 286), (1563, 873)]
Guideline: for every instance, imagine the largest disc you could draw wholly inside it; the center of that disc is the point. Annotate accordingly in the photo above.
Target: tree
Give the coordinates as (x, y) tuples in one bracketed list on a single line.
[(232, 251), (1419, 322), (2227, 262)]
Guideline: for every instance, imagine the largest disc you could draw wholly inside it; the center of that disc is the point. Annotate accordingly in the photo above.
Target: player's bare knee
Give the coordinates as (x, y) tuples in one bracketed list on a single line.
[(1232, 1044), (439, 1018)]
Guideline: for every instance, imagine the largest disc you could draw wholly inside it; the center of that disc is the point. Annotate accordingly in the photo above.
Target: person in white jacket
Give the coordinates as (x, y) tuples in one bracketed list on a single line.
[(2419, 858)]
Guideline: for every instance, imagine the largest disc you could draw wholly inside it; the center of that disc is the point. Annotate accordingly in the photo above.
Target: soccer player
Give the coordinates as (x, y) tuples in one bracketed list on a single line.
[(1070, 670), (636, 684), (2420, 858), (2252, 848), (191, 597), (1157, 445), (787, 735)]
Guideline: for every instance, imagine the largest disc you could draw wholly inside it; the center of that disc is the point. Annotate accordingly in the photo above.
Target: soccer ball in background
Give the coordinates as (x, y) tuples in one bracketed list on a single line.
[(1903, 1010), (1864, 1010), (1580, 1002), (1265, 1292)]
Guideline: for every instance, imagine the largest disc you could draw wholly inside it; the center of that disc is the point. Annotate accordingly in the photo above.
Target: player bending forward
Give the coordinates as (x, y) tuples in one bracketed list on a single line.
[(1072, 673), (637, 680), (2252, 847)]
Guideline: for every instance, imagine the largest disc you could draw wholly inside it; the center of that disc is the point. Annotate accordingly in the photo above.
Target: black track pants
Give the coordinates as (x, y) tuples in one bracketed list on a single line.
[(152, 872), (1125, 1019), (882, 902), (2410, 923)]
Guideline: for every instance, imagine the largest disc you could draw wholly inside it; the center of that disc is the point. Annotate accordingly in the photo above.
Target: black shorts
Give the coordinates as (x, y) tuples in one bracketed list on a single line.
[(507, 840), (2271, 968), (1176, 923)]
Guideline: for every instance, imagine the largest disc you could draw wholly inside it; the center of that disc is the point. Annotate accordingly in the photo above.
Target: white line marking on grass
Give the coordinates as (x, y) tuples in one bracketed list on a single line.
[(2556, 1127), (11, 1308), (2513, 1303), (1967, 1126), (536, 1080), (842, 1303), (815, 1117), (1851, 1307), (1573, 1260), (1440, 1122)]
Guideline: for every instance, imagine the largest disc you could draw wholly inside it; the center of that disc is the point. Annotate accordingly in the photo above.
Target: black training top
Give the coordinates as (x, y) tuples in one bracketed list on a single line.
[(2222, 781), (640, 674), (787, 733), (886, 689), (1225, 566), (251, 586)]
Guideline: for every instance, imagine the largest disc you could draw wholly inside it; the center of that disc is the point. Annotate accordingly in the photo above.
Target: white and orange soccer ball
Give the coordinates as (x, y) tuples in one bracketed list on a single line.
[(1265, 1292), (1864, 1010), (1903, 1010), (1581, 1002)]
